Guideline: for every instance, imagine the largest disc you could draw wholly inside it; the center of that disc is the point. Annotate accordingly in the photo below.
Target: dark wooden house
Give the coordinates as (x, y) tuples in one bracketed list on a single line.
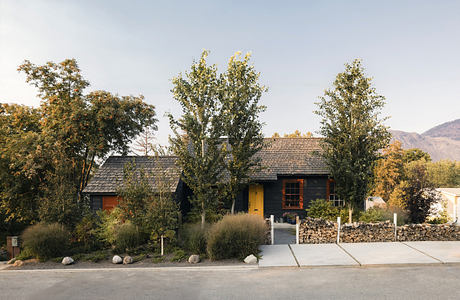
[(293, 174), (102, 188)]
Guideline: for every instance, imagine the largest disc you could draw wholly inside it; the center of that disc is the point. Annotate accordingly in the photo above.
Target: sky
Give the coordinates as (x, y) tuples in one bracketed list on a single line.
[(411, 49)]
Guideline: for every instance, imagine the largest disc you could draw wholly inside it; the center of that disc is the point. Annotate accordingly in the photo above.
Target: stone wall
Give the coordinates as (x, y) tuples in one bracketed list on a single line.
[(318, 231)]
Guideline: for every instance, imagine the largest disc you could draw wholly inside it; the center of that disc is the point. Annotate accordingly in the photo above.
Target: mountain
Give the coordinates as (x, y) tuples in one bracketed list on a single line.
[(441, 142), (448, 129)]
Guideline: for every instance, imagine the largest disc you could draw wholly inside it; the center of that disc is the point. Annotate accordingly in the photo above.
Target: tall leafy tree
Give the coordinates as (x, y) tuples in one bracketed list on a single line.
[(57, 144), (353, 132), (240, 93), (196, 140)]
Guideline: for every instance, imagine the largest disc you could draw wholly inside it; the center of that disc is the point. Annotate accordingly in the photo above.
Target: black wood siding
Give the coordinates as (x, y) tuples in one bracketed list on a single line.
[(314, 188)]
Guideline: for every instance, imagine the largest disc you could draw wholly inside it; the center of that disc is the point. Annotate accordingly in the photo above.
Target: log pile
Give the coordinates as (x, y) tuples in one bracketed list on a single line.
[(318, 231)]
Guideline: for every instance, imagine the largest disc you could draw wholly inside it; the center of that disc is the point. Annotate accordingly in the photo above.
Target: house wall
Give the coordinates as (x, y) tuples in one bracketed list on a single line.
[(314, 188)]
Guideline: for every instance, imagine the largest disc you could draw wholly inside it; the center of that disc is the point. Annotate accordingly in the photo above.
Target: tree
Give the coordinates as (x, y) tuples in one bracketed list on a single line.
[(419, 193), (49, 153), (388, 171), (415, 154), (444, 173), (295, 134), (88, 126), (152, 210), (239, 97), (196, 140), (353, 132), (144, 145)]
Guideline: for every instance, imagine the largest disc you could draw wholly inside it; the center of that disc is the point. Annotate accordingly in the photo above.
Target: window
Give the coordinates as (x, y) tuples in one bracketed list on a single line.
[(331, 194), (293, 194)]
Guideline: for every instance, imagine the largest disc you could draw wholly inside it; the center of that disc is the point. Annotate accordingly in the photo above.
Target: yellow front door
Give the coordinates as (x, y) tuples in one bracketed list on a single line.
[(256, 199)]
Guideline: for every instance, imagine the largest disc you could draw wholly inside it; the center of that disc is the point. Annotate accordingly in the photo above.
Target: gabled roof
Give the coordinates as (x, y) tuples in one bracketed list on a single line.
[(109, 177), (452, 191), (290, 156)]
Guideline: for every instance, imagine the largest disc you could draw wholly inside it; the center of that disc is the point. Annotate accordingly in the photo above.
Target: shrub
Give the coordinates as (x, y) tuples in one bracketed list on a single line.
[(195, 238), (380, 214), (126, 237), (85, 233), (323, 209), (179, 255), (46, 240), (25, 254), (375, 214), (108, 224), (236, 236), (96, 256)]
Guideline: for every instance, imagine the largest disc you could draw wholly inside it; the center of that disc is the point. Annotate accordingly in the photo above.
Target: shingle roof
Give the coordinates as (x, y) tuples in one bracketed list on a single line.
[(109, 177), (290, 156)]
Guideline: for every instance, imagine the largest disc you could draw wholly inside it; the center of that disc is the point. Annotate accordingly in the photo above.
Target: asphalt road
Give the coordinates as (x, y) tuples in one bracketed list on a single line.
[(415, 282)]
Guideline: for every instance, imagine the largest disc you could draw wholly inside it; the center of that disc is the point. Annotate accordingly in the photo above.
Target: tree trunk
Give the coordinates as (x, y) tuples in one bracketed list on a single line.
[(162, 248), (233, 207)]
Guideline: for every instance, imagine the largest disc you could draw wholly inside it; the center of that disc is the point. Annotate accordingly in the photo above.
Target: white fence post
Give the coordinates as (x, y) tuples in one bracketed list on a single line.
[(297, 229), (338, 230), (395, 221), (272, 228)]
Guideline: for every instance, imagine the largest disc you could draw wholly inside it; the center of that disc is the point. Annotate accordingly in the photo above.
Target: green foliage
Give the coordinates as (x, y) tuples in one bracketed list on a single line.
[(85, 233), (236, 236), (179, 255), (353, 132), (375, 214), (48, 153), (323, 209), (46, 240), (239, 96), (158, 259), (444, 173), (154, 212), (195, 238), (415, 154), (139, 257), (96, 256), (26, 253), (196, 139), (109, 221), (418, 191), (126, 237)]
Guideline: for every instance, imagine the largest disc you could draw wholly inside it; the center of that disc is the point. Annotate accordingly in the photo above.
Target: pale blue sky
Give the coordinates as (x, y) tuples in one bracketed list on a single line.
[(410, 48)]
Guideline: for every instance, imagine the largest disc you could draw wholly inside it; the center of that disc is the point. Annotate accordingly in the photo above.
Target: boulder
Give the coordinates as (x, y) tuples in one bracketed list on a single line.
[(117, 259), (127, 260), (67, 261), (18, 263), (194, 259), (250, 259)]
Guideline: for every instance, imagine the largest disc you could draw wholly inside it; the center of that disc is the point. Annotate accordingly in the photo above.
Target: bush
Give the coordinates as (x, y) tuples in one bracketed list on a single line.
[(323, 209), (195, 238), (179, 255), (380, 214), (46, 240), (85, 233), (375, 215), (236, 236), (126, 237), (108, 225)]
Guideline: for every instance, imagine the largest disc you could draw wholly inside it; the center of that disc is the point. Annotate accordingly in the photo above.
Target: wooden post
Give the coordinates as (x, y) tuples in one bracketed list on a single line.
[(162, 248), (395, 221), (338, 230), (272, 228), (297, 230)]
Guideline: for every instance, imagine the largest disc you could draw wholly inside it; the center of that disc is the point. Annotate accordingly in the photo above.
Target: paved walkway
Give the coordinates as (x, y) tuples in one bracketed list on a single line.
[(360, 254)]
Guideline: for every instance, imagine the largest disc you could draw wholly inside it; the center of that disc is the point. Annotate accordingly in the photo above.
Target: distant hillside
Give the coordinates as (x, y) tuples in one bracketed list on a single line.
[(448, 130), (441, 142)]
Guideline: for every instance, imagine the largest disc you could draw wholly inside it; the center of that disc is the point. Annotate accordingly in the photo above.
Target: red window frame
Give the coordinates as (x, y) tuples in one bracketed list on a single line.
[(300, 181)]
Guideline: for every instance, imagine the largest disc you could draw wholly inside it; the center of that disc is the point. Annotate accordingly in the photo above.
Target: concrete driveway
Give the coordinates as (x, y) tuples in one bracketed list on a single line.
[(360, 254)]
